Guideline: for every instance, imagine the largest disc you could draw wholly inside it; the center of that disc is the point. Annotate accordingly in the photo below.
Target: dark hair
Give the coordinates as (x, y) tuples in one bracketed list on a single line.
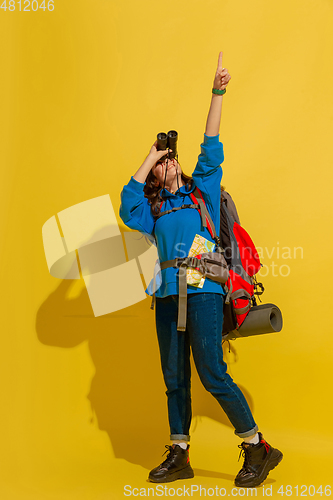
[(152, 192)]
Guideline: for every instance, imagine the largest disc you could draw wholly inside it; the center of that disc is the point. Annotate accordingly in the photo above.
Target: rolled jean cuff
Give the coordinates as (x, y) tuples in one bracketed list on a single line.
[(249, 433), (179, 437)]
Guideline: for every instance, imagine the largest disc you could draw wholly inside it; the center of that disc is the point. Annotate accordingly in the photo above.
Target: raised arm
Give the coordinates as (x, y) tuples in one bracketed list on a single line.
[(135, 211), (153, 156), (221, 80)]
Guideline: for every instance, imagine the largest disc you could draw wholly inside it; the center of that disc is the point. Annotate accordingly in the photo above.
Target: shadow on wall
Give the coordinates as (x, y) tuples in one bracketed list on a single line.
[(127, 391)]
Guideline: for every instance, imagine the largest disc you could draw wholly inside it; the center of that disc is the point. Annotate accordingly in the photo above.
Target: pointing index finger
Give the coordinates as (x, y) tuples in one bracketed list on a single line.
[(219, 65)]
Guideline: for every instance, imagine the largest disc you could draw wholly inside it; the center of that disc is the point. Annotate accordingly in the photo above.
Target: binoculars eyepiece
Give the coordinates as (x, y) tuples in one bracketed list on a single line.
[(167, 141)]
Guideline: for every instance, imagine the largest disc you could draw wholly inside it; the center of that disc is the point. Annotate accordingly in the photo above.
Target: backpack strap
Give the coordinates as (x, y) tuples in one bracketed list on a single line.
[(205, 217), (174, 209), (183, 263)]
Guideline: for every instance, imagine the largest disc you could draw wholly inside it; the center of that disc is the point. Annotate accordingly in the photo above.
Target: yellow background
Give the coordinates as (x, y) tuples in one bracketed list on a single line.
[(83, 92)]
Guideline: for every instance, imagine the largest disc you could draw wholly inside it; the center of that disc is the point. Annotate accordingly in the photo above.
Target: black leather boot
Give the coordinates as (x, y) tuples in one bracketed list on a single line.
[(175, 466), (259, 459)]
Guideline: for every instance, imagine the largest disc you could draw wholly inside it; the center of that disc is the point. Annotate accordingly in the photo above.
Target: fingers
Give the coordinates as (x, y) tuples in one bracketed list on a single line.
[(224, 82), (226, 79), (219, 64), (221, 79), (163, 152), (154, 147), (223, 72)]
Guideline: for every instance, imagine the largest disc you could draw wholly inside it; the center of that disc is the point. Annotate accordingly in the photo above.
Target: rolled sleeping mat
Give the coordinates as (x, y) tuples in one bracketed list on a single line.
[(265, 318)]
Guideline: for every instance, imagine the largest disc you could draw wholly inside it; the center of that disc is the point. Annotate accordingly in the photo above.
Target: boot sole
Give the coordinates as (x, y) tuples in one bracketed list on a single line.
[(186, 473), (270, 465)]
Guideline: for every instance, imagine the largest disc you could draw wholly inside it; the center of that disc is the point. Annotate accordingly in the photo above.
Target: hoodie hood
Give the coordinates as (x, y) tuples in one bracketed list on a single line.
[(181, 191)]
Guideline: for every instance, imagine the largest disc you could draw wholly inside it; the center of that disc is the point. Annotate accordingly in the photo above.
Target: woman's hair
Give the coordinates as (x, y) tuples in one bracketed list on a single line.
[(152, 192)]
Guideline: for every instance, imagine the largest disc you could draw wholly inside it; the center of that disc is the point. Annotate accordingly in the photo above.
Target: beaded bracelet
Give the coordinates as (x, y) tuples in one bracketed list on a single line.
[(218, 91)]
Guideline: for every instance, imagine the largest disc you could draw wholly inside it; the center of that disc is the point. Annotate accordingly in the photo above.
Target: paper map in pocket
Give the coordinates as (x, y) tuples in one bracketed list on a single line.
[(200, 245)]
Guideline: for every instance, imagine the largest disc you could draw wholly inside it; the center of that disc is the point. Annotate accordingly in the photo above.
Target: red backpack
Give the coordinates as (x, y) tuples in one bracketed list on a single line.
[(243, 262)]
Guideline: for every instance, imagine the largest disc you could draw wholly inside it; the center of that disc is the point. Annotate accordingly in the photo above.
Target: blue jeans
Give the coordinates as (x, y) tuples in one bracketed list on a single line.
[(204, 335)]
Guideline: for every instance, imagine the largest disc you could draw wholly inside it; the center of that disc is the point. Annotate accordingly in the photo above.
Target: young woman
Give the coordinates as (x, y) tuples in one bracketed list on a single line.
[(157, 181)]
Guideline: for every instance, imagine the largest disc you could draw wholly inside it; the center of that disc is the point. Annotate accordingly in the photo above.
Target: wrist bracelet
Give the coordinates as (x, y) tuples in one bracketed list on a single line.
[(218, 91)]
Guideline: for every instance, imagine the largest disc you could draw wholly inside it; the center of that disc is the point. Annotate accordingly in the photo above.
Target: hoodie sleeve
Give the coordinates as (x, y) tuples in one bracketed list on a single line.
[(207, 174), (135, 211)]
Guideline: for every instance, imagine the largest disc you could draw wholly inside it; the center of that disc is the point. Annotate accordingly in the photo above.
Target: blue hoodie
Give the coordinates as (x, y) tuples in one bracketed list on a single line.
[(175, 232)]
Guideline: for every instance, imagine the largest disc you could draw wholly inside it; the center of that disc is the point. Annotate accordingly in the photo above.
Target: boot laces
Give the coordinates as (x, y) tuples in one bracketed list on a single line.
[(245, 453), (169, 457)]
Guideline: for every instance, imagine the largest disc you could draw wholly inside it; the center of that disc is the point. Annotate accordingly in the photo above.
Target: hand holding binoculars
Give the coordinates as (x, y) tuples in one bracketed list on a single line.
[(167, 141)]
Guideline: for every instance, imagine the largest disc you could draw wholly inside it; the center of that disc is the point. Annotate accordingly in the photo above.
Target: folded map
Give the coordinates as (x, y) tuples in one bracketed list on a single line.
[(200, 245)]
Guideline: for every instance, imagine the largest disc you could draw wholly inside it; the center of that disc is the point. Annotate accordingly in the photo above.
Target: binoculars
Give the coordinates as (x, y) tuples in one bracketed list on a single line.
[(165, 141)]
